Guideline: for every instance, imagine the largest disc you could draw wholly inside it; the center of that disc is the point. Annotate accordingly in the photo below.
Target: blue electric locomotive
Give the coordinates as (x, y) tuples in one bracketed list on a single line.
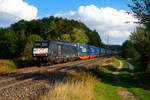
[(55, 51)]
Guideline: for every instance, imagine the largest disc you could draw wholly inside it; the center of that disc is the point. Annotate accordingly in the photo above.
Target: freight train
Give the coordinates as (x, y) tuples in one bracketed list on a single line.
[(50, 51)]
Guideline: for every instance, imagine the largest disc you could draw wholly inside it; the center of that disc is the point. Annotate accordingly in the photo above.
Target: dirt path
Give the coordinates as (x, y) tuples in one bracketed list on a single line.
[(125, 94), (118, 69), (131, 68)]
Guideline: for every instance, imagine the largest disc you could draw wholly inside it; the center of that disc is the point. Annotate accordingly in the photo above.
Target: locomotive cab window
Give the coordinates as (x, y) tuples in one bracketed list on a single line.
[(44, 44), (41, 44), (37, 45)]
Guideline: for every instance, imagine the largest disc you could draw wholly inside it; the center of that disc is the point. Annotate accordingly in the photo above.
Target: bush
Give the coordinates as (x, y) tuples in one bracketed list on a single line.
[(148, 65), (131, 53), (134, 54), (7, 65)]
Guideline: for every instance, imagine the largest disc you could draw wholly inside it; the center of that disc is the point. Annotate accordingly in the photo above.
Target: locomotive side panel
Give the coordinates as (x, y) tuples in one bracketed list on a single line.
[(62, 51), (68, 51)]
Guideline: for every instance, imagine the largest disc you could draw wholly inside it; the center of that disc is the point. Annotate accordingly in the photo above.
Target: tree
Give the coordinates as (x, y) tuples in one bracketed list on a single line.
[(141, 37), (141, 40), (127, 44), (141, 9), (20, 34), (66, 37), (8, 44), (128, 50), (80, 36), (29, 45)]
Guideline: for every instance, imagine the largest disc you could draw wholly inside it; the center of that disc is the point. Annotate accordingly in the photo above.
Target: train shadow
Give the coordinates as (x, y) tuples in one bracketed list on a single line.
[(20, 63)]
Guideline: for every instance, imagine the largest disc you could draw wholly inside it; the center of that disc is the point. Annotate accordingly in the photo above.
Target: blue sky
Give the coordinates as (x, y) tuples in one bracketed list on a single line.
[(52, 7), (108, 17)]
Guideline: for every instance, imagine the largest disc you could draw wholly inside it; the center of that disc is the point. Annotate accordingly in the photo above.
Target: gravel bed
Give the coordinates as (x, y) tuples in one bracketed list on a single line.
[(27, 91), (42, 82)]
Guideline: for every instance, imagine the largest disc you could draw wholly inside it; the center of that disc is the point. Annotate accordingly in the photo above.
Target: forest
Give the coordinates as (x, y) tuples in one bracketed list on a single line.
[(138, 46), (17, 40)]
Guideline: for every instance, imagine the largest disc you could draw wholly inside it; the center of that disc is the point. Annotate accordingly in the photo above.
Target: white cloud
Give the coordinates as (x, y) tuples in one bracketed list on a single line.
[(14, 10), (105, 20)]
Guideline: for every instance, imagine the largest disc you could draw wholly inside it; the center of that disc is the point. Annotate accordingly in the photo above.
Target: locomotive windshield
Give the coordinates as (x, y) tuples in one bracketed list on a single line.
[(41, 44)]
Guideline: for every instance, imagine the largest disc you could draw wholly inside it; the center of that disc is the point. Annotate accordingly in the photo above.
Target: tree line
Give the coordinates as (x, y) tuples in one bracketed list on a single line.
[(17, 40), (138, 46)]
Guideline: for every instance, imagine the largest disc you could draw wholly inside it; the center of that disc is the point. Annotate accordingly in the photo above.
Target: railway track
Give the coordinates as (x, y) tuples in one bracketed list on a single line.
[(13, 81), (7, 76)]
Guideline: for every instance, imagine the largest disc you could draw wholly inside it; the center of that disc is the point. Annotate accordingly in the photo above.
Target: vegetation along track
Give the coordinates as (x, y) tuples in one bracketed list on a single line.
[(27, 84)]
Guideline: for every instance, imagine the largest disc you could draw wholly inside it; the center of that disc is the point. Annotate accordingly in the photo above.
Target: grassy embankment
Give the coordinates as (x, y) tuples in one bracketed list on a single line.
[(96, 85), (80, 87), (100, 84), (128, 82), (6, 65), (106, 89), (9, 64)]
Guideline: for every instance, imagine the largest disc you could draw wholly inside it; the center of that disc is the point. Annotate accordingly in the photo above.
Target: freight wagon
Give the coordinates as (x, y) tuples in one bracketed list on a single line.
[(82, 51)]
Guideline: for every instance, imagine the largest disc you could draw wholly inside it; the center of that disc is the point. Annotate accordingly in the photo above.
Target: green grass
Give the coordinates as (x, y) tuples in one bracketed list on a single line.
[(131, 84), (6, 65), (106, 89), (144, 76)]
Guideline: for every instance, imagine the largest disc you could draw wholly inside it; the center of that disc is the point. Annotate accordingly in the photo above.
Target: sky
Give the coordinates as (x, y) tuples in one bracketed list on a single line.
[(107, 17)]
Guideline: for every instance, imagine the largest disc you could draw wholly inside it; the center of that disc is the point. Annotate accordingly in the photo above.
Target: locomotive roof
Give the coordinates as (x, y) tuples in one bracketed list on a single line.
[(69, 44), (63, 43)]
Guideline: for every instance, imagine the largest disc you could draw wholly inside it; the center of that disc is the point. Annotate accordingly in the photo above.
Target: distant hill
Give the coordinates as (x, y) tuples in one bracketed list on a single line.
[(114, 47), (17, 40)]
